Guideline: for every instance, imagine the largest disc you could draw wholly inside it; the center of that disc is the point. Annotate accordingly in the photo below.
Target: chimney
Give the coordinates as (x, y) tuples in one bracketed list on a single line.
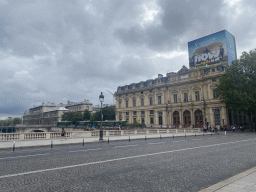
[(160, 75)]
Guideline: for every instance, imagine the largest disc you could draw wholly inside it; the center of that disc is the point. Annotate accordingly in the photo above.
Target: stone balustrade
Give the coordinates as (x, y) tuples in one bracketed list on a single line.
[(84, 134)]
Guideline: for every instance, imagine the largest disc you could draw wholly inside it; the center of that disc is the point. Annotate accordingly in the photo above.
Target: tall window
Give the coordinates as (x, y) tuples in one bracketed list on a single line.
[(142, 102), (151, 120), (134, 112), (175, 100), (142, 112), (217, 116), (142, 120), (126, 103), (151, 112), (197, 96), (159, 99), (185, 97), (134, 102), (120, 103), (127, 113), (214, 94), (150, 101)]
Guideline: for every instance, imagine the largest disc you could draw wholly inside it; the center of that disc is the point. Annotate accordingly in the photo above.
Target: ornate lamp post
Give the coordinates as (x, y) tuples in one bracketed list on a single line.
[(101, 97)]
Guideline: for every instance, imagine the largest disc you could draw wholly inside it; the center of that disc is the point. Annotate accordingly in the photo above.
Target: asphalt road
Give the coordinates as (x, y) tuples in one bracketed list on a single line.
[(179, 164)]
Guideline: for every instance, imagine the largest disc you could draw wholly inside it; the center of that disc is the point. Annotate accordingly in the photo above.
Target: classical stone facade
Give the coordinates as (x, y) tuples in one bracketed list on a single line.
[(183, 99), (79, 106), (50, 113)]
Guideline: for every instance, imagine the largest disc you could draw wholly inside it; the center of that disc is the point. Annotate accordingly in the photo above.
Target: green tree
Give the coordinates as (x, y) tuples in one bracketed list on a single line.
[(237, 87), (87, 115), (108, 114), (71, 116), (16, 121)]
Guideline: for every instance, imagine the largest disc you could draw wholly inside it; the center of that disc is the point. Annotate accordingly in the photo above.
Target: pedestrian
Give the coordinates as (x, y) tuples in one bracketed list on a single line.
[(234, 128), (63, 132), (204, 129)]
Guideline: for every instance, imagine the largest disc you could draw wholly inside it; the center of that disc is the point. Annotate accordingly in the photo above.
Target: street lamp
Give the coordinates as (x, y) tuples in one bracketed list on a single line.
[(101, 97)]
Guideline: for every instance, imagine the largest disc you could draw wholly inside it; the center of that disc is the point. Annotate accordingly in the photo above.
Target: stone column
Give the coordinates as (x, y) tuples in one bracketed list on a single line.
[(224, 115), (164, 119), (192, 117), (156, 118), (170, 118), (181, 118), (211, 120)]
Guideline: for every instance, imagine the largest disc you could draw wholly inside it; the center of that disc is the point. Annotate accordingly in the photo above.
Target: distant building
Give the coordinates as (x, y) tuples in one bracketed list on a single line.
[(80, 106), (51, 113), (97, 108)]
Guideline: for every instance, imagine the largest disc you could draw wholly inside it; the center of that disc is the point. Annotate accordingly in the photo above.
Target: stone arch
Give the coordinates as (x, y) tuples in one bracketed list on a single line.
[(176, 118), (199, 122), (187, 118)]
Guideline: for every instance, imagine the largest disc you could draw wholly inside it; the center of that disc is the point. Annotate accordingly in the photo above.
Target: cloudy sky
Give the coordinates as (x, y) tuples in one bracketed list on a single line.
[(55, 51)]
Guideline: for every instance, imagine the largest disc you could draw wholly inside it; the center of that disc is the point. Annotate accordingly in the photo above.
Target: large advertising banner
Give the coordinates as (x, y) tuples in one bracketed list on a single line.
[(218, 48)]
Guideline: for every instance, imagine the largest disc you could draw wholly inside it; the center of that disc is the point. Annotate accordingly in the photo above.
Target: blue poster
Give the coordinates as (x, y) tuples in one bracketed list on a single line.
[(218, 48)]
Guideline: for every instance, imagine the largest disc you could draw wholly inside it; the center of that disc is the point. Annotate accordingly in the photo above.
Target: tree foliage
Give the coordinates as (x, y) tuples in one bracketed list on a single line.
[(237, 87), (72, 116), (108, 114), (87, 115), (13, 121)]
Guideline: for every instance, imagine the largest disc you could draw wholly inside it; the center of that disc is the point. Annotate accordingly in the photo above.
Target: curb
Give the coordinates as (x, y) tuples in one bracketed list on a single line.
[(225, 183)]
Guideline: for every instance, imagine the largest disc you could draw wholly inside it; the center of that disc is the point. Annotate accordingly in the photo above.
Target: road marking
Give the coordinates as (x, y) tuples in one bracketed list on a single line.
[(85, 150), (196, 139), (23, 156), (119, 159), (125, 146), (155, 143), (179, 141)]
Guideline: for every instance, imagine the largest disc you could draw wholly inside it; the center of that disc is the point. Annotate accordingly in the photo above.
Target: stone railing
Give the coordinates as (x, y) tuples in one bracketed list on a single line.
[(84, 134)]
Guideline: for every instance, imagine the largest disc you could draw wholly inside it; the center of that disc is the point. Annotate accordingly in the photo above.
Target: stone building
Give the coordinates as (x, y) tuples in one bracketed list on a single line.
[(79, 106), (53, 116), (183, 99), (51, 113)]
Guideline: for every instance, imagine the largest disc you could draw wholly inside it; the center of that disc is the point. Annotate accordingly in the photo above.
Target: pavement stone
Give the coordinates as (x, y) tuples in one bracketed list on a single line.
[(243, 182)]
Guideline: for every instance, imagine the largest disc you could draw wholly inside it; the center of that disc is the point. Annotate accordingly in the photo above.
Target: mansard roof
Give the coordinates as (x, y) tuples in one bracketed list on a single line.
[(184, 70)]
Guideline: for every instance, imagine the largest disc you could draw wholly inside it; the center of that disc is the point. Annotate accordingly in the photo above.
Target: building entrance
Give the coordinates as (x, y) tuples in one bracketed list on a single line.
[(199, 122), (176, 119), (186, 119)]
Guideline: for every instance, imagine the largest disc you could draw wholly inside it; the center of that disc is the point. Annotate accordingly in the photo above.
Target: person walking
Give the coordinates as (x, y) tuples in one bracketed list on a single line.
[(63, 132)]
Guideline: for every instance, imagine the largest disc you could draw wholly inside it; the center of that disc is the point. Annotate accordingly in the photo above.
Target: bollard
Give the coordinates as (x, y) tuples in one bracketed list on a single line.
[(145, 138), (83, 142), (13, 149), (211, 133), (51, 144), (185, 135), (108, 139), (195, 134), (225, 132), (129, 139), (160, 137), (173, 136)]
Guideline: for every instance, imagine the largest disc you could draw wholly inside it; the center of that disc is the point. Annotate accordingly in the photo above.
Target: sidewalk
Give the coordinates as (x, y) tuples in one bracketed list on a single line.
[(62, 141), (243, 182)]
